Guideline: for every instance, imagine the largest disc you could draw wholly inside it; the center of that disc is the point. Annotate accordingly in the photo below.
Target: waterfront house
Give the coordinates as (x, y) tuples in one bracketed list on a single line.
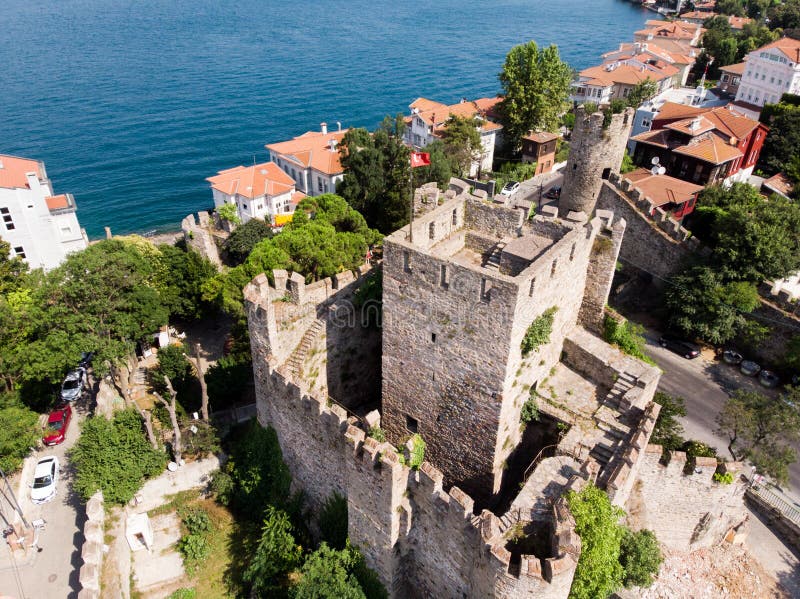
[(260, 191), (771, 71), (429, 118), (615, 80), (644, 53), (674, 196), (701, 145), (41, 227), (680, 31), (698, 17), (540, 147), (311, 160)]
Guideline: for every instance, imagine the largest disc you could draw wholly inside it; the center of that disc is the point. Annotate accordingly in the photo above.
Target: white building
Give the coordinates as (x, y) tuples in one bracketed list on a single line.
[(311, 160), (260, 191), (770, 72), (429, 119), (41, 228)]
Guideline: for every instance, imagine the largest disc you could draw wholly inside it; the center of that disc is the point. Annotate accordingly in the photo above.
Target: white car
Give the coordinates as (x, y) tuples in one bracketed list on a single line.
[(74, 384), (45, 480), (510, 188)]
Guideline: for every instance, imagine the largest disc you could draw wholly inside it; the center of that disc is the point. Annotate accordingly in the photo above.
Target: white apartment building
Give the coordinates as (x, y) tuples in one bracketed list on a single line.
[(41, 228), (260, 191), (770, 72)]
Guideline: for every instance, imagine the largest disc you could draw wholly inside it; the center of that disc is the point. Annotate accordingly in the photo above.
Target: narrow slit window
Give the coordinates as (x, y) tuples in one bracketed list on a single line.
[(411, 424), (533, 286), (455, 217), (553, 268), (443, 276), (406, 262), (431, 230), (572, 252)]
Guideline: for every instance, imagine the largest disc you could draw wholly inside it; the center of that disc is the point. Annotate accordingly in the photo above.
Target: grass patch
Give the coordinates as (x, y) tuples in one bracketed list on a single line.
[(627, 336), (176, 502)]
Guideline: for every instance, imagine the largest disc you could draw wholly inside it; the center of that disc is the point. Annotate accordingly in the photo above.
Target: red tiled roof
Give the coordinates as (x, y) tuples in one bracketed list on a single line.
[(709, 148), (780, 183), (624, 74), (662, 189), (542, 137), (14, 170), (297, 197), (738, 22), (734, 69), (57, 202), (659, 137), (673, 110), (253, 181), (312, 149), (788, 46), (437, 114)]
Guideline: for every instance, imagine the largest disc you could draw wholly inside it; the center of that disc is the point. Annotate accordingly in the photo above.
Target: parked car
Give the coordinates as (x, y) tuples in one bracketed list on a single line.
[(45, 480), (749, 368), (732, 357), (769, 379), (553, 193), (680, 346), (510, 188), (73, 385), (56, 429)]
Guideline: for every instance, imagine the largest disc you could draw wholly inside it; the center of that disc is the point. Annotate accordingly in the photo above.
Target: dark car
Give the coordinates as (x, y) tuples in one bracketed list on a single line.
[(553, 193), (680, 346)]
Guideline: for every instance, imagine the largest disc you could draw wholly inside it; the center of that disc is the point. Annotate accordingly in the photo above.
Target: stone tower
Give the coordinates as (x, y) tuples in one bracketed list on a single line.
[(595, 152), (457, 302)]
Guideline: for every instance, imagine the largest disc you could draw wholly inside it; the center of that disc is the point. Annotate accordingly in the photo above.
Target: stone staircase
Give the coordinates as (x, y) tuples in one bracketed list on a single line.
[(621, 386), (493, 260), (295, 362), (139, 387)]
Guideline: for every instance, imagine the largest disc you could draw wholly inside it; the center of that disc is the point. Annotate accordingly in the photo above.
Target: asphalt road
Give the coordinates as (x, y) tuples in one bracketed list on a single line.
[(52, 571)]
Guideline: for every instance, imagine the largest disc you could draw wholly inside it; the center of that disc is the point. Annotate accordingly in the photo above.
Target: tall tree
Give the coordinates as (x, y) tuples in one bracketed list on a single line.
[(762, 429), (12, 270), (782, 144), (641, 92), (535, 85), (462, 142), (376, 174), (276, 555)]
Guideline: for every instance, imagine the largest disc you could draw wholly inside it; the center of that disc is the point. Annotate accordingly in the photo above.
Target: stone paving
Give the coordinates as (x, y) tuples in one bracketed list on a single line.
[(156, 572)]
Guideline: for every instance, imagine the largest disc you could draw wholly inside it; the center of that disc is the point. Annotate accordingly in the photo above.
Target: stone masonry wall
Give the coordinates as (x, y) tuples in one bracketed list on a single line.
[(687, 511), (602, 265), (198, 237), (594, 151)]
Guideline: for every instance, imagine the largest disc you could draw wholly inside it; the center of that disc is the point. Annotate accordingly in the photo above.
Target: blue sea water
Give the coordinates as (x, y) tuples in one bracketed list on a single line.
[(133, 103)]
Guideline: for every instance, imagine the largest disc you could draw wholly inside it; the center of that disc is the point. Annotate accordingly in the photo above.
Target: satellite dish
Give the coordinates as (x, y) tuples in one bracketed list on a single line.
[(654, 170), (661, 170), (654, 160)]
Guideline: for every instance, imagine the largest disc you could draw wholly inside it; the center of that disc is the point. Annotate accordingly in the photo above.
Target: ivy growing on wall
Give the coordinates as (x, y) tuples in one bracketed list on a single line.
[(539, 332)]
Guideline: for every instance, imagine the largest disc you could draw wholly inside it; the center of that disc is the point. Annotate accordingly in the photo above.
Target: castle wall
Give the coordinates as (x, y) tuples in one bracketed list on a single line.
[(687, 511), (595, 153), (600, 274)]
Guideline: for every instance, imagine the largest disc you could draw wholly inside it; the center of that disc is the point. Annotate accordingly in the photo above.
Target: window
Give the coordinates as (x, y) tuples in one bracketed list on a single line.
[(572, 252), (646, 123), (606, 173), (19, 251), (7, 220), (433, 337), (455, 217), (406, 262), (486, 290), (431, 230), (411, 424), (443, 276), (533, 286), (319, 183), (553, 268), (66, 230)]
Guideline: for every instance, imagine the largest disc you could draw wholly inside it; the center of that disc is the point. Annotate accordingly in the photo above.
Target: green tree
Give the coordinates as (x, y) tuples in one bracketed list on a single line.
[(782, 144), (243, 239), (641, 92), (441, 168), (329, 573), (181, 286), (599, 572), (115, 457), (19, 432), (535, 85), (628, 166), (668, 431), (276, 555), (462, 142), (640, 557), (227, 380), (701, 304), (229, 212), (12, 270), (762, 429), (376, 174), (785, 15), (333, 521)]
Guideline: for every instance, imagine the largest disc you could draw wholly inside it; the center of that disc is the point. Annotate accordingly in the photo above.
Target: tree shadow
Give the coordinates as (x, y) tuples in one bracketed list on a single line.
[(241, 544), (74, 500)]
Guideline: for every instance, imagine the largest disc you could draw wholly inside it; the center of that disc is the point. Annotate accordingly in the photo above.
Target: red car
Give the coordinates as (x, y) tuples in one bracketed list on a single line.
[(56, 429)]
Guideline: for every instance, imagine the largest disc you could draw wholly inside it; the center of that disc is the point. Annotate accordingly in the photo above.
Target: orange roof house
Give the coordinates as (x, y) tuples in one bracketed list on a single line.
[(14, 171), (665, 192)]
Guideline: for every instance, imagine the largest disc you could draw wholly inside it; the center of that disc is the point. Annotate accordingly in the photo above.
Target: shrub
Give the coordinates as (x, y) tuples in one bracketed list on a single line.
[(243, 239), (115, 457), (194, 549), (530, 411), (19, 432), (333, 521), (416, 453), (627, 336), (724, 478), (377, 433), (195, 520), (330, 573), (276, 555), (222, 486), (640, 556), (539, 332), (183, 594), (696, 449), (229, 213)]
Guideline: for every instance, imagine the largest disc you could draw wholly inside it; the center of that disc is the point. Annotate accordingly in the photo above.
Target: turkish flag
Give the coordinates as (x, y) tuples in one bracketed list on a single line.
[(420, 159)]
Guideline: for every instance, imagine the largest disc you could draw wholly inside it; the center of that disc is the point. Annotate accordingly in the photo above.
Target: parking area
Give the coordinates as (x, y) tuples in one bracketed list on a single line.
[(52, 570)]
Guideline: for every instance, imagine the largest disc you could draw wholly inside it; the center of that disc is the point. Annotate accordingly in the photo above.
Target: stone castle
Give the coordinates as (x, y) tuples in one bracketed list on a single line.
[(484, 514)]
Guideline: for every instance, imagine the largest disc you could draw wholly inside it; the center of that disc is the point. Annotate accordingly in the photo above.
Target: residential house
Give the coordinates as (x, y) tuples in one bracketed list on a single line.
[(770, 72), (260, 191), (540, 147), (698, 17), (730, 78), (41, 227), (652, 54), (680, 31), (311, 159), (780, 184), (689, 97), (674, 196), (429, 119), (701, 145), (615, 80)]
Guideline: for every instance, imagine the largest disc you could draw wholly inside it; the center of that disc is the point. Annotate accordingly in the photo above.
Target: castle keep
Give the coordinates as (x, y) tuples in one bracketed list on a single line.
[(483, 516)]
